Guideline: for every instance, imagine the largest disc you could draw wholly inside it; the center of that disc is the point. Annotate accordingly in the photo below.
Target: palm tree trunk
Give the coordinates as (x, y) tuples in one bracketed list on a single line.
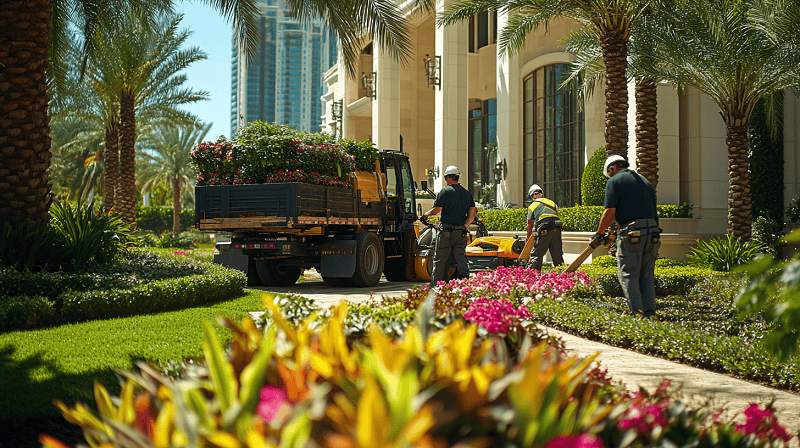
[(111, 173), (740, 214), (176, 206), (126, 191), (24, 123), (615, 52), (647, 130)]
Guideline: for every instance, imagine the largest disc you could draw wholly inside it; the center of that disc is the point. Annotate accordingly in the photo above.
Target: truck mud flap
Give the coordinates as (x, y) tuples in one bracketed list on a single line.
[(338, 258)]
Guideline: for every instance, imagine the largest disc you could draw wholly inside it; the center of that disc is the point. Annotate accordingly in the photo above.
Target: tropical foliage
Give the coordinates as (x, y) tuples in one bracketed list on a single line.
[(735, 51), (723, 253)]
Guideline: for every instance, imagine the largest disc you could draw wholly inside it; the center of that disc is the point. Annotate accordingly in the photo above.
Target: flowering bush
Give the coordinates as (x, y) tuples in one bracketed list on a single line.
[(497, 316), (270, 153)]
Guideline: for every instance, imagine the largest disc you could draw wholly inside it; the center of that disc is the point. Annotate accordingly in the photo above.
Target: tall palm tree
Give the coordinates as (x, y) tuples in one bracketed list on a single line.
[(164, 158), (140, 67), (31, 39), (612, 21), (736, 52), (588, 69)]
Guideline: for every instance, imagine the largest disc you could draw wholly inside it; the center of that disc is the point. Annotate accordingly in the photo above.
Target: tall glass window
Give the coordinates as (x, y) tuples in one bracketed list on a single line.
[(482, 132), (554, 136)]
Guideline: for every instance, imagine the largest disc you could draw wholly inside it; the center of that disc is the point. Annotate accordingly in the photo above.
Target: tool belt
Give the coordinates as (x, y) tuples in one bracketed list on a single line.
[(635, 235), (545, 225), (451, 228)]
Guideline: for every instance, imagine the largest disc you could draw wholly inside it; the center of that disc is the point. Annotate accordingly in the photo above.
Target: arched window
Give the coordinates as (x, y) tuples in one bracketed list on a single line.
[(554, 136)]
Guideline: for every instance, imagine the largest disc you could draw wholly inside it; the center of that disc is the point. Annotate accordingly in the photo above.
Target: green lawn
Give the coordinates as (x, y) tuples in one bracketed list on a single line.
[(63, 362)]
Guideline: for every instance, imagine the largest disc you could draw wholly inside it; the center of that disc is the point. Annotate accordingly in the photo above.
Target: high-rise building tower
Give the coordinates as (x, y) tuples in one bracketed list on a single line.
[(283, 83)]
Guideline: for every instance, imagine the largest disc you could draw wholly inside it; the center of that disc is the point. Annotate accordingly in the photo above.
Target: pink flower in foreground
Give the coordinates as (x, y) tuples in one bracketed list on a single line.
[(763, 423), (273, 398), (497, 316), (579, 441), (179, 252)]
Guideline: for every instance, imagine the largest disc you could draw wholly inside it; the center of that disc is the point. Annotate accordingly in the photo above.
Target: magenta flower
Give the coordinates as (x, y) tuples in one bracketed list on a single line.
[(578, 441), (179, 252), (497, 316), (273, 398), (762, 423)]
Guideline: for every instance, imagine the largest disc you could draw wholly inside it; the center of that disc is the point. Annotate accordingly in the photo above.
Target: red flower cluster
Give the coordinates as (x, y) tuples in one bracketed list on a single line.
[(214, 163)]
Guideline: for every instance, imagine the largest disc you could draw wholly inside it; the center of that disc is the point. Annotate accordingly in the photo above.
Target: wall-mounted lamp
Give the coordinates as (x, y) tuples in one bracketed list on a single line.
[(370, 84), (433, 70), (336, 116), (432, 173), (500, 170)]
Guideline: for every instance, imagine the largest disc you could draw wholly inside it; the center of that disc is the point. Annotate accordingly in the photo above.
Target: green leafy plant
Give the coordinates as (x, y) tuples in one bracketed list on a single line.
[(793, 210), (159, 219), (723, 253), (767, 234), (593, 181), (774, 291), (30, 247), (90, 236)]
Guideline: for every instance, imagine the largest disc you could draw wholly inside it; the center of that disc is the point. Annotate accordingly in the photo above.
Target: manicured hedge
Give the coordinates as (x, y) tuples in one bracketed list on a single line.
[(216, 284), (138, 282), (581, 218), (159, 219)]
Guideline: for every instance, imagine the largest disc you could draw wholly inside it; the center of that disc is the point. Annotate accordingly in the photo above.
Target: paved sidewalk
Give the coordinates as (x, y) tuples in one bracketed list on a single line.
[(633, 369)]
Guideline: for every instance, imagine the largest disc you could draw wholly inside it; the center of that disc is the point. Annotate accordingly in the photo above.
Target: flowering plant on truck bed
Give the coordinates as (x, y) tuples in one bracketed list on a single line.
[(271, 153)]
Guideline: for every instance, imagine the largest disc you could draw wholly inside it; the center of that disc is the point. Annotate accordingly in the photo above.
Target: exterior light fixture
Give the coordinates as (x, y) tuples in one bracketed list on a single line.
[(433, 70), (336, 116), (432, 173), (369, 84)]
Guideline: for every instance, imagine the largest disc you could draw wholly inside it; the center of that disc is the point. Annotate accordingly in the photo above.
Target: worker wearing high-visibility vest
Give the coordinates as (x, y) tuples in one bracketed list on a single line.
[(543, 217)]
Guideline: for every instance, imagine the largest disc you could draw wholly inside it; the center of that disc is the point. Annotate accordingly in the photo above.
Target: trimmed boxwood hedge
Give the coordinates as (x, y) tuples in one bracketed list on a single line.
[(581, 218), (138, 282), (216, 284)]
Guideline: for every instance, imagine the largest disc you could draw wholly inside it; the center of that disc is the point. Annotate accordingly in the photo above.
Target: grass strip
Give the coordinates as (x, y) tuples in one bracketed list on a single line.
[(63, 362)]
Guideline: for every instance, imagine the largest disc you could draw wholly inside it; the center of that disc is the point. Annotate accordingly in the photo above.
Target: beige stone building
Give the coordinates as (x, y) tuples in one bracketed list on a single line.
[(450, 115)]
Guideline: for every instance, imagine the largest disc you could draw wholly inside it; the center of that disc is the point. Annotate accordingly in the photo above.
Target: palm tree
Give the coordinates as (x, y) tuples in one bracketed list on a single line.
[(140, 67), (32, 34), (612, 21), (77, 155), (164, 158), (588, 69), (736, 52)]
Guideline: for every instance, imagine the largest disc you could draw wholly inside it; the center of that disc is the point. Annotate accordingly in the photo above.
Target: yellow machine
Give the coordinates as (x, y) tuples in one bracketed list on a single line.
[(483, 251)]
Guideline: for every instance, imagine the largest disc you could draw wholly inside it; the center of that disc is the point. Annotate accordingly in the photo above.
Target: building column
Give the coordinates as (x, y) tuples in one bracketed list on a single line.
[(452, 101), (509, 137), (386, 105)]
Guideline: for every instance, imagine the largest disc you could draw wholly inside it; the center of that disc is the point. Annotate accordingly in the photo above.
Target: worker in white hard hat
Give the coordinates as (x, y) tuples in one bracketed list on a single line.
[(543, 218), (631, 201), (457, 207)]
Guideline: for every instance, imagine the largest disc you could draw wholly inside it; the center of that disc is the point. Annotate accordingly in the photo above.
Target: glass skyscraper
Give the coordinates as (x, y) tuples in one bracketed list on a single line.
[(283, 83)]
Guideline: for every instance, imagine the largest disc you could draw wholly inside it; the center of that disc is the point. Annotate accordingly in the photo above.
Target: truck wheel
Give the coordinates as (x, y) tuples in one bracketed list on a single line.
[(369, 260), (401, 269), (253, 279), (272, 274)]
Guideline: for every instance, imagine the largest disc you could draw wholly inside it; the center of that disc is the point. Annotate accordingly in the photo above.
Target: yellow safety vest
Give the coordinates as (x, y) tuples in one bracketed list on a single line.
[(543, 208)]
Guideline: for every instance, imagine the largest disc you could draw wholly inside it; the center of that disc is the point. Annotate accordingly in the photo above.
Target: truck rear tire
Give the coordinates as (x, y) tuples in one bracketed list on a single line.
[(401, 269), (271, 274), (369, 260)]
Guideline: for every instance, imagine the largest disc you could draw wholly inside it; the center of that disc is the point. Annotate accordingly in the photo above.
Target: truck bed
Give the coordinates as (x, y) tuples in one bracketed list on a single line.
[(292, 205)]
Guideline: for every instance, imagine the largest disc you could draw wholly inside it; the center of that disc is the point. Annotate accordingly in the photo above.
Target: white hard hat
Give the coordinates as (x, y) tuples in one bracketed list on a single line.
[(611, 160), (534, 188), (452, 169)]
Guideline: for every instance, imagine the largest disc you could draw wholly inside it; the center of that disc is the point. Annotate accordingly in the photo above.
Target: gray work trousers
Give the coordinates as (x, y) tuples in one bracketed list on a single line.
[(450, 242), (549, 239), (636, 261)]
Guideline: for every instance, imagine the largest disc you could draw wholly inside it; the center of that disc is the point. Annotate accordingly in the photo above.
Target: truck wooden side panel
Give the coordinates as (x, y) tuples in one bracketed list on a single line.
[(254, 206)]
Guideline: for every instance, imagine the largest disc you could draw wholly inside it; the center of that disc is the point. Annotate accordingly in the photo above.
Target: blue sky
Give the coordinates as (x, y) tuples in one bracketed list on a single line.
[(213, 35)]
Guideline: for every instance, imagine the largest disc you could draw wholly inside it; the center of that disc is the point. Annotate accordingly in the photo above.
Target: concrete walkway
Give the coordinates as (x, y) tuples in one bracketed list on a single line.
[(633, 369)]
